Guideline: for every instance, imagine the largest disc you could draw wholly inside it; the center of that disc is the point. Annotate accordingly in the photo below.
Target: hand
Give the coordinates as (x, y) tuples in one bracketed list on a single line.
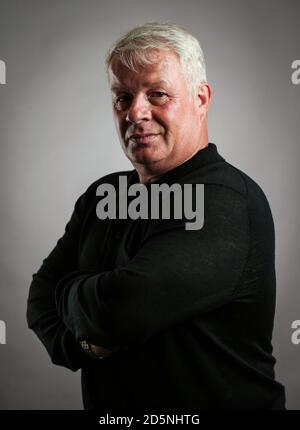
[(100, 350)]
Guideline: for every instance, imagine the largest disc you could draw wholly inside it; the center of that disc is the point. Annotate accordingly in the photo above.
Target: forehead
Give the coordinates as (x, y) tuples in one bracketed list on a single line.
[(165, 71)]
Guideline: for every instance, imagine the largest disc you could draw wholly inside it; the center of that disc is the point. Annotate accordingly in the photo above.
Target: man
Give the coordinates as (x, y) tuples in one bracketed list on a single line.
[(159, 317)]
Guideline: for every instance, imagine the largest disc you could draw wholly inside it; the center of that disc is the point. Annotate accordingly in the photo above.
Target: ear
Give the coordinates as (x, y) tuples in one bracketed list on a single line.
[(203, 98)]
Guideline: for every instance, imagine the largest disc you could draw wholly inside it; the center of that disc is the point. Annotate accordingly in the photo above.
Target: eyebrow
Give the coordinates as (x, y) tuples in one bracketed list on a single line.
[(117, 87)]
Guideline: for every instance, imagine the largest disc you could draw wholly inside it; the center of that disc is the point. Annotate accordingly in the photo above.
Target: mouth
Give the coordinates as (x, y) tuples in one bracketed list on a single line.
[(143, 139)]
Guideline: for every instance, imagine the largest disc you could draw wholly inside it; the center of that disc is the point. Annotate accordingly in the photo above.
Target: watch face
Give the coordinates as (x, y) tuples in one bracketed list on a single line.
[(86, 347)]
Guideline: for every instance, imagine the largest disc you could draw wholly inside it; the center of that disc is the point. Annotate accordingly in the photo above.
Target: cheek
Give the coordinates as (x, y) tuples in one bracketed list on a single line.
[(172, 124), (166, 117)]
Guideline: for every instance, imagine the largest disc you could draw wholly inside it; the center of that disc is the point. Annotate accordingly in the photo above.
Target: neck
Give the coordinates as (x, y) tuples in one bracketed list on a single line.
[(151, 172)]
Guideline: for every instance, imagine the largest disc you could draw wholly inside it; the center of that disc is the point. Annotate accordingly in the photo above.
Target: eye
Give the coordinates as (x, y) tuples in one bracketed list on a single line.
[(158, 97), (122, 102)]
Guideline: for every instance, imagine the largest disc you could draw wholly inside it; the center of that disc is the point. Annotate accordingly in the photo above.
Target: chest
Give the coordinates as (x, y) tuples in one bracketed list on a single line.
[(110, 243)]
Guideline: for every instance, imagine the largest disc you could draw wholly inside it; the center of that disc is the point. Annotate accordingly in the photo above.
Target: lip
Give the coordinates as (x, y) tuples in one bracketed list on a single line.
[(143, 138)]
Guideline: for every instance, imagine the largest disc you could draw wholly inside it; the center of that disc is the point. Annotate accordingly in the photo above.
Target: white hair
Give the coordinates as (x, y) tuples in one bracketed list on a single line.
[(137, 47)]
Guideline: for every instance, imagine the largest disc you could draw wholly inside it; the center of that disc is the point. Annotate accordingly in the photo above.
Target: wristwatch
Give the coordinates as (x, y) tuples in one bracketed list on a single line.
[(86, 347)]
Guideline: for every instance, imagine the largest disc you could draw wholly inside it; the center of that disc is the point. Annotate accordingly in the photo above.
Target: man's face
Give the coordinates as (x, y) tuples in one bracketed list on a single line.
[(157, 122)]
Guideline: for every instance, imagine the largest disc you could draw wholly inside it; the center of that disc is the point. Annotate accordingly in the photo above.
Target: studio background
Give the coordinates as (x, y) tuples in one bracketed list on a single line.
[(57, 136)]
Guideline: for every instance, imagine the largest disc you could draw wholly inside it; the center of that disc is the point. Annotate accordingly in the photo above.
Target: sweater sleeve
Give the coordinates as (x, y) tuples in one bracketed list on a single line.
[(42, 315), (176, 274)]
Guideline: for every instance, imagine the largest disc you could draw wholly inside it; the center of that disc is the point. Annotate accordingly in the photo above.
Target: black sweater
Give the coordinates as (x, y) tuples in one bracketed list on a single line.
[(188, 314)]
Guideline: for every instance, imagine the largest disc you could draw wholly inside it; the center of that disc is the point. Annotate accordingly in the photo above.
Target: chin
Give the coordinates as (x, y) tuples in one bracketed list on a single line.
[(143, 160), (145, 156)]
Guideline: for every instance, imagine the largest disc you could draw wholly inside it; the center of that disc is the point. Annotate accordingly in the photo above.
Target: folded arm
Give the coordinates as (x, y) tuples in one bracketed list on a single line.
[(175, 274), (42, 314)]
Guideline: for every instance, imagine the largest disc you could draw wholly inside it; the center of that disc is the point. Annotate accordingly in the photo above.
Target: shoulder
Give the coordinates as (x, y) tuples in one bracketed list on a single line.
[(245, 185), (234, 188), (230, 187), (226, 176)]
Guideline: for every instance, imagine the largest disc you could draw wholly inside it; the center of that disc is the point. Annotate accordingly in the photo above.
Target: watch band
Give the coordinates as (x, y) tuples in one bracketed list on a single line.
[(86, 347)]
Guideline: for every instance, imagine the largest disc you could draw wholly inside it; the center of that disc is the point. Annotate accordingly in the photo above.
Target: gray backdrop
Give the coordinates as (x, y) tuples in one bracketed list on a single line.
[(57, 136)]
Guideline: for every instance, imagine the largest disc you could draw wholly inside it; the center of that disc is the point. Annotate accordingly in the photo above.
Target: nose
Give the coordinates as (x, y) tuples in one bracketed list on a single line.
[(139, 110)]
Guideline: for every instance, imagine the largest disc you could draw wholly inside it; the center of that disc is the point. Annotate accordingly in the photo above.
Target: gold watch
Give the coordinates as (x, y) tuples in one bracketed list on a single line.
[(86, 347)]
